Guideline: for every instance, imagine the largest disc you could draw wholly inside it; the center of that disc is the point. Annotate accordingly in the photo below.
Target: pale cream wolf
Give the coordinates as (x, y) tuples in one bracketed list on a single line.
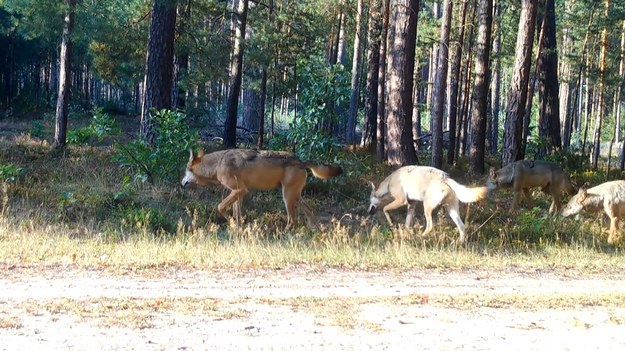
[(434, 187), (243, 170), (609, 196), (527, 174)]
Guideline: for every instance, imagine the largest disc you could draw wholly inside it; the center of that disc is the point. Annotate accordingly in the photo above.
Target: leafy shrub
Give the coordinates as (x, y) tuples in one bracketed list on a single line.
[(161, 160), (9, 173), (323, 94)]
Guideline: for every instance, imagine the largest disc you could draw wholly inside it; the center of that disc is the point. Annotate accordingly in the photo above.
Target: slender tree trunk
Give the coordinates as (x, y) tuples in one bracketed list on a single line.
[(549, 114), (600, 107), (159, 67), (495, 80), (480, 92), (512, 150), (236, 75), (381, 122), (182, 60), (439, 87), (353, 102), (65, 78), (454, 85), (263, 100), (619, 106), (373, 67), (465, 84)]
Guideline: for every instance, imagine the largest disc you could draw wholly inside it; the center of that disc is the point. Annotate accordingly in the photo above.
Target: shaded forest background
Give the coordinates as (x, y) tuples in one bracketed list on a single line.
[(411, 81)]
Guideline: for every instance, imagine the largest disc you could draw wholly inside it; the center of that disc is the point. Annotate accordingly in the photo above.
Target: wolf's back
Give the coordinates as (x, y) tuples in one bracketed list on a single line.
[(466, 194)]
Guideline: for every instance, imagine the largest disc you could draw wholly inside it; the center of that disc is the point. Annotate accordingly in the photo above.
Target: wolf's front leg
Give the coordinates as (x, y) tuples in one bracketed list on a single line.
[(235, 196), (397, 203)]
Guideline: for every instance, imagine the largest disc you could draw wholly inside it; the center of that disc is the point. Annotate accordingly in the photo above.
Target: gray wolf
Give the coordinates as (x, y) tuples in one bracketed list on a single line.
[(409, 184), (243, 170), (609, 196), (527, 174)]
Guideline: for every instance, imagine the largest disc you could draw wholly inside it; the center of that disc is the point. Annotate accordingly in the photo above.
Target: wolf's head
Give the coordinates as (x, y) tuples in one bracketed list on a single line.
[(189, 176), (575, 204), (377, 200)]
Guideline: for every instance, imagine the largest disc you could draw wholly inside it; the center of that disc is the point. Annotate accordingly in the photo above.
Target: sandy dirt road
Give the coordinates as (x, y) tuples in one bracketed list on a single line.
[(308, 308)]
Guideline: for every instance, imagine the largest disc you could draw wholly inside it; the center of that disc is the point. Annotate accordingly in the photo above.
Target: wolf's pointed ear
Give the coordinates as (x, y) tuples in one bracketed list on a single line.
[(581, 195), (372, 186), (491, 172), (190, 155), (200, 153)]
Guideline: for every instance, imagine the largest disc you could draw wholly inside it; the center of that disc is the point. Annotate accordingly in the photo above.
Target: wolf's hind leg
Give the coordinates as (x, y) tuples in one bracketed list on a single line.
[(454, 212), (412, 207)]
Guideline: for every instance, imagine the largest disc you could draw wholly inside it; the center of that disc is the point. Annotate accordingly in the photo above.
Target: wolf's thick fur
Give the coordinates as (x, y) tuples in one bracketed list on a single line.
[(410, 184), (527, 174), (609, 196), (243, 170)]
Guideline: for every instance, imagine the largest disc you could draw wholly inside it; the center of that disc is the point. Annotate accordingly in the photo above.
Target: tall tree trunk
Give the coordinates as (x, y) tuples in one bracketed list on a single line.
[(236, 75), (465, 84), (549, 114), (619, 106), (65, 77), (454, 85), (565, 84), (373, 67), (512, 150), (495, 80), (400, 71), (263, 101), (480, 92), (182, 59), (439, 87), (355, 97), (602, 67), (381, 122), (159, 67)]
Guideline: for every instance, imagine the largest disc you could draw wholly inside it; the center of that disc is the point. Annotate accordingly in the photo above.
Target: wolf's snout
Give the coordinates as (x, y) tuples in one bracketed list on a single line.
[(183, 183), (372, 209)]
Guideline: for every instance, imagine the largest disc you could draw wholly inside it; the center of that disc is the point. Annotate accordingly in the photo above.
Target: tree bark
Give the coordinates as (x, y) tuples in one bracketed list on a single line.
[(65, 78), (439, 87), (381, 122), (158, 81), (373, 67), (549, 114), (400, 70), (495, 81), (355, 97), (600, 103), (480, 92), (455, 86), (236, 75), (512, 150)]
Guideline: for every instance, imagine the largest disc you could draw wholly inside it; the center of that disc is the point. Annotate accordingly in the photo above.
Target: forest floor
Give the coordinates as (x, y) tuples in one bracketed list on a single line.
[(308, 307)]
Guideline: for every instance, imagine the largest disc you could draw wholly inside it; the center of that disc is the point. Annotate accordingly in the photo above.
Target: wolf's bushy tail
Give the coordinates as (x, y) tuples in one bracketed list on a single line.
[(466, 194), (324, 171)]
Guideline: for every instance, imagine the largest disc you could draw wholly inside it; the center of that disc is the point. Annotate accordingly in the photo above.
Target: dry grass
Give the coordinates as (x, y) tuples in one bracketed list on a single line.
[(76, 208)]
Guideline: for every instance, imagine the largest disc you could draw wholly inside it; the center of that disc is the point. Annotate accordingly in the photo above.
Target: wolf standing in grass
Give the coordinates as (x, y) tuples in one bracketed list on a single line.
[(410, 184), (609, 196), (527, 174), (243, 170)]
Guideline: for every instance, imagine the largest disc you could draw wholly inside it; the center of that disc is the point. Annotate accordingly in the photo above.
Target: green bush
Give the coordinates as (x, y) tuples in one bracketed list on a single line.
[(160, 160)]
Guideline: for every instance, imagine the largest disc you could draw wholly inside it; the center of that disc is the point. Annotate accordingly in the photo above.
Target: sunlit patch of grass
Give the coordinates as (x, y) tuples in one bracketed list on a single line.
[(132, 312)]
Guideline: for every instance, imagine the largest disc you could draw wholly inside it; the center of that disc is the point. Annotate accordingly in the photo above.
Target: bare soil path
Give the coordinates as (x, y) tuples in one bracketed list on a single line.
[(306, 308)]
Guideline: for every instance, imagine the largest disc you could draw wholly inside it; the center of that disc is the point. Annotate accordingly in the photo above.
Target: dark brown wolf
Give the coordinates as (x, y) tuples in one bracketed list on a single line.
[(609, 197), (527, 174), (243, 170)]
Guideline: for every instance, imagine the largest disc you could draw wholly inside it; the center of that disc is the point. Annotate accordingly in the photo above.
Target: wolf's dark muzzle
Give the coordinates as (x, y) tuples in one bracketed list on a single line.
[(372, 209)]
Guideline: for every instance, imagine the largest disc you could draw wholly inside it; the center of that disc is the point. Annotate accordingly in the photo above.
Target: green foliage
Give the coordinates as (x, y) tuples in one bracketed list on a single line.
[(146, 219), (324, 92), (149, 162), (9, 172)]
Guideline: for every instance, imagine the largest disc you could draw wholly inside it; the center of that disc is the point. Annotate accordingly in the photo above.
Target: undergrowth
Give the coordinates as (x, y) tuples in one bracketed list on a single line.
[(81, 207)]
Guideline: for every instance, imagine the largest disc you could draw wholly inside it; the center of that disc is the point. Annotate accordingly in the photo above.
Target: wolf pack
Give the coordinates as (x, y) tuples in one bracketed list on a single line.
[(243, 170)]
